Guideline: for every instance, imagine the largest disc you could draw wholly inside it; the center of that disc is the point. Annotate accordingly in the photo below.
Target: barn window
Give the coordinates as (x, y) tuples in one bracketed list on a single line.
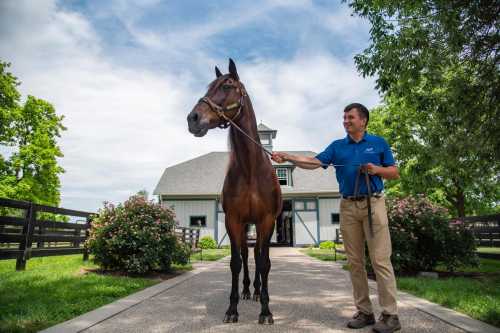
[(310, 205), (299, 205), (335, 218), (283, 177), (198, 221), (265, 139), (306, 205)]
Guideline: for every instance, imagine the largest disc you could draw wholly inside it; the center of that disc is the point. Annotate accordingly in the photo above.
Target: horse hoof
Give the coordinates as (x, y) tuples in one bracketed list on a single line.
[(266, 320), (245, 295), (256, 297), (231, 318)]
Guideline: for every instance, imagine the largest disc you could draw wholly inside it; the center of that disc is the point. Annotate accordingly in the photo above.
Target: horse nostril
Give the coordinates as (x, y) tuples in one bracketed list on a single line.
[(193, 116)]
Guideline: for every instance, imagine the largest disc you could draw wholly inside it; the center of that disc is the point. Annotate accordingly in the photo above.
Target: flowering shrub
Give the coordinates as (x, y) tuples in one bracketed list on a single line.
[(136, 237), (327, 245), (423, 237), (207, 242)]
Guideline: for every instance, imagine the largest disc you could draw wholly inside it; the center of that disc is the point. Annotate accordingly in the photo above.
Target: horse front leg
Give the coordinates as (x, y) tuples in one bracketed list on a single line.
[(245, 294), (232, 312), (264, 266)]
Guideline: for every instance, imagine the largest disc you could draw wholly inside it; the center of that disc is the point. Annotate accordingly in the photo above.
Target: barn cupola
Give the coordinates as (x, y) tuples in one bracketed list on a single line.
[(266, 135)]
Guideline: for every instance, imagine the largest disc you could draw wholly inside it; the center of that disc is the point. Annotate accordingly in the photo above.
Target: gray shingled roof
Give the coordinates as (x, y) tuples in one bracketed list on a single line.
[(204, 176), (263, 128)]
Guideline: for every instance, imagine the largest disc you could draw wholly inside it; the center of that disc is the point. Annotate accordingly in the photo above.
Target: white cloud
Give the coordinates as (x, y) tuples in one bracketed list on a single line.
[(304, 98), (126, 124)]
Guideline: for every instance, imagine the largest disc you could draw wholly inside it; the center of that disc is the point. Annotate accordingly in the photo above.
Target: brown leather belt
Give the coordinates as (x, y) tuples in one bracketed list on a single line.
[(362, 197)]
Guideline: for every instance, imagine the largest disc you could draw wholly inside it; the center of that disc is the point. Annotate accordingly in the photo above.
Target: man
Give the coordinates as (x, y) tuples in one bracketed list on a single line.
[(372, 153)]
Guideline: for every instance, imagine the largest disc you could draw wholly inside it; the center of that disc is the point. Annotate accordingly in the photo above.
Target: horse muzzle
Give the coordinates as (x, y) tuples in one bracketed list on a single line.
[(196, 127)]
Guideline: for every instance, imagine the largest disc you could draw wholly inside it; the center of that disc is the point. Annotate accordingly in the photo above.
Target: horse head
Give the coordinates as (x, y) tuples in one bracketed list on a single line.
[(222, 102)]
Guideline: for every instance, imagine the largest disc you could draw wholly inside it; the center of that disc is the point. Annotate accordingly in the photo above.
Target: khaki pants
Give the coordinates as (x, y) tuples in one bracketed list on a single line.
[(355, 230)]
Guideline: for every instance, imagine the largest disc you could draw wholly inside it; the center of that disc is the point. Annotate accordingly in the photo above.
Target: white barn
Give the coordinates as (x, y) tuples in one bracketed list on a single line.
[(311, 198)]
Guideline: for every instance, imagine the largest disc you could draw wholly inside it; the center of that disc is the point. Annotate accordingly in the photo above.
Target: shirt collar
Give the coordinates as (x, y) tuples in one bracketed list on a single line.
[(348, 139)]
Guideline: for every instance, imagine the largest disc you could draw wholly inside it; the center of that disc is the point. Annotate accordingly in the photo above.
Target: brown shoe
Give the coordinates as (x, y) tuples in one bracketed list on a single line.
[(361, 319), (387, 324)]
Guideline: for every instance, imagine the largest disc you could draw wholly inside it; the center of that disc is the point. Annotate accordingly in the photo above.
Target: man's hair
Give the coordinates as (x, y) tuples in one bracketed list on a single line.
[(362, 110)]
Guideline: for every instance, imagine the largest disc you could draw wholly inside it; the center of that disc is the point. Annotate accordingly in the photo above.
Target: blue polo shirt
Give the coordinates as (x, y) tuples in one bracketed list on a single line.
[(351, 154)]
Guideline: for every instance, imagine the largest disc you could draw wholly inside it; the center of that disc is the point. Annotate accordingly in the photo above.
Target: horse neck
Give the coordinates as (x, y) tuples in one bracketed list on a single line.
[(246, 155)]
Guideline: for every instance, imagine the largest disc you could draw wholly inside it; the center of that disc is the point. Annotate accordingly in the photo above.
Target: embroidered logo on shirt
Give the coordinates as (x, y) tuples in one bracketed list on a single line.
[(369, 150)]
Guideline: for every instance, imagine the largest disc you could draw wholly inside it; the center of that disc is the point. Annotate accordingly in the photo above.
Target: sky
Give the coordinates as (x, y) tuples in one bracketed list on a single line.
[(125, 74)]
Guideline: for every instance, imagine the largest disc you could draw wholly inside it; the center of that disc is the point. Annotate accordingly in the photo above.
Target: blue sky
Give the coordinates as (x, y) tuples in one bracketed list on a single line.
[(126, 73)]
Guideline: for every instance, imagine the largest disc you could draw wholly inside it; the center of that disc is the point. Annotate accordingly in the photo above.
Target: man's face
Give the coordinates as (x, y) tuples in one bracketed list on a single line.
[(353, 122)]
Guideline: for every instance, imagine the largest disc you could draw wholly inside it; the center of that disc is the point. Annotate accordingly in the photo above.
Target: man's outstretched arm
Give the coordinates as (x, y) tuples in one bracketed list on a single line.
[(304, 162)]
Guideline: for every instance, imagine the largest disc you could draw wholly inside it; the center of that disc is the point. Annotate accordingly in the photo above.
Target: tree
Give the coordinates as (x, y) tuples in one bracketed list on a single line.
[(28, 134), (428, 164), (437, 68)]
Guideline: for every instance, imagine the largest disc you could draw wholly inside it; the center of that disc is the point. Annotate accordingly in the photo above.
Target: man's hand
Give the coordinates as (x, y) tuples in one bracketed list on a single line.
[(279, 157), (371, 168), (389, 172)]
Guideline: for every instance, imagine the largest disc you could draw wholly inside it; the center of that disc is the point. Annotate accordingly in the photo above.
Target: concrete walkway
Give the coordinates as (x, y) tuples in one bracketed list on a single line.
[(307, 295)]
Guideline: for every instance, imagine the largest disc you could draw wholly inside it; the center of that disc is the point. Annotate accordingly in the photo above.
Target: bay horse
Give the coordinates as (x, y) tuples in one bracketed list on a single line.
[(251, 193)]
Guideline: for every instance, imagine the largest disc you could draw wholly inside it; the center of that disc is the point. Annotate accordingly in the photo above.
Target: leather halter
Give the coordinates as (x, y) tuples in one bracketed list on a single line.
[(221, 110)]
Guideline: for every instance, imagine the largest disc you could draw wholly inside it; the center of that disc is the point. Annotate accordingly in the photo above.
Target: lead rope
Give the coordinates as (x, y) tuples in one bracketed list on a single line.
[(221, 114), (226, 118), (368, 197)]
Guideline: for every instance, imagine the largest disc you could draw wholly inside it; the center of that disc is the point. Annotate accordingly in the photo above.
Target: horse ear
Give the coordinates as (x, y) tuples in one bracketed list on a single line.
[(217, 72), (232, 70)]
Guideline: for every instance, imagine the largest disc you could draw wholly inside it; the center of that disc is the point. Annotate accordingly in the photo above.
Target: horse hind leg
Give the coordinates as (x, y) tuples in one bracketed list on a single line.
[(264, 266), (245, 294)]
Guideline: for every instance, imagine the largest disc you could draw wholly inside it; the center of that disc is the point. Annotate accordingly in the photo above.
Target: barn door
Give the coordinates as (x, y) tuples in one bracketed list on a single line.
[(306, 222)]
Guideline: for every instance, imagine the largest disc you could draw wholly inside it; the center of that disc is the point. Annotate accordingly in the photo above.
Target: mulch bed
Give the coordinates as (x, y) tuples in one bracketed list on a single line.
[(150, 275)]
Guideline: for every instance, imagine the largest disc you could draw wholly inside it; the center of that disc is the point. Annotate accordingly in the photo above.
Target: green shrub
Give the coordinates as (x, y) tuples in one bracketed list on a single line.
[(422, 237), (207, 242), (136, 237), (327, 245)]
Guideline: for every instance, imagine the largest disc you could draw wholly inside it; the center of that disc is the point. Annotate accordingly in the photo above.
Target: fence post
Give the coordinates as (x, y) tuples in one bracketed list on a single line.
[(41, 231), (25, 245), (87, 234)]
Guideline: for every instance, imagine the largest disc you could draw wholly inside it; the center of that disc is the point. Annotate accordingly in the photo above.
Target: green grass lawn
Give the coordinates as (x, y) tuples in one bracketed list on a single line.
[(477, 297), (322, 254), (210, 254), (488, 249), (55, 289)]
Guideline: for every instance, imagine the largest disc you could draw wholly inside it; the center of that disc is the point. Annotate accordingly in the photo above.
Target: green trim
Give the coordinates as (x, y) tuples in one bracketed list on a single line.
[(317, 219), (293, 224), (216, 221), (165, 198)]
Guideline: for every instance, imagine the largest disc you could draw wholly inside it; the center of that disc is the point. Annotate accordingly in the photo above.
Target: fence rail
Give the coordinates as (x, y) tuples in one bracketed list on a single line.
[(486, 228), (23, 234), (189, 236)]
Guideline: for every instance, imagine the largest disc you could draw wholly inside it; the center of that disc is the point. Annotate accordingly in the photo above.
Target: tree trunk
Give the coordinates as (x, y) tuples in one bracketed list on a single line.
[(460, 203)]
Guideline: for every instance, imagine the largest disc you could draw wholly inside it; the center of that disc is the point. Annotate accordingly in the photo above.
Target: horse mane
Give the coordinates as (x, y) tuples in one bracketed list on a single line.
[(239, 146)]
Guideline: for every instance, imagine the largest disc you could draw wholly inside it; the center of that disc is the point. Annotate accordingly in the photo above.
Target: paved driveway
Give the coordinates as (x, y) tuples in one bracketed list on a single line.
[(307, 295)]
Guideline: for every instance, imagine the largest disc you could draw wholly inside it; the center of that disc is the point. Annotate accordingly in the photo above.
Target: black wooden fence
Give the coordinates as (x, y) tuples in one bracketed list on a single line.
[(486, 228), (25, 233)]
